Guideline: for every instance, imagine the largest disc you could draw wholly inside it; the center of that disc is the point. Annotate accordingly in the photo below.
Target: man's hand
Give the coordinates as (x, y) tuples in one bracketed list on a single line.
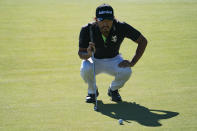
[(126, 63), (86, 53), (91, 48)]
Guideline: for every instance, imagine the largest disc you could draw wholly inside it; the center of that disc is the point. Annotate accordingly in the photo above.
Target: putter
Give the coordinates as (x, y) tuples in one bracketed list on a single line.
[(91, 39)]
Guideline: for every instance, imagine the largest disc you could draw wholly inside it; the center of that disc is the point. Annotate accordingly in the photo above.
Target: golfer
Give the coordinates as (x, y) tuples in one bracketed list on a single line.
[(107, 34)]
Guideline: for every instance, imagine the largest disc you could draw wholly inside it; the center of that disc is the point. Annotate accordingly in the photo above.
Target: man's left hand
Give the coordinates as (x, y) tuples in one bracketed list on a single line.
[(126, 63)]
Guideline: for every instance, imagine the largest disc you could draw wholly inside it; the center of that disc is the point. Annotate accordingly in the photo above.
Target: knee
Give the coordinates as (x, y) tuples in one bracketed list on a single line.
[(125, 72), (86, 67)]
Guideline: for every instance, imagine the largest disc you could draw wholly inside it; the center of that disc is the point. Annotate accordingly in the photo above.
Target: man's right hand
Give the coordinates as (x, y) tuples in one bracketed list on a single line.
[(86, 53), (91, 48)]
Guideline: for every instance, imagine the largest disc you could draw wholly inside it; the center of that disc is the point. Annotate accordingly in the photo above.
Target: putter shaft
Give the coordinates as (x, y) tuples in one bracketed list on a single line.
[(95, 108)]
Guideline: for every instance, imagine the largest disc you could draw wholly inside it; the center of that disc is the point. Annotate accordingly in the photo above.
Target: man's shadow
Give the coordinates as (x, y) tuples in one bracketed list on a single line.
[(134, 112)]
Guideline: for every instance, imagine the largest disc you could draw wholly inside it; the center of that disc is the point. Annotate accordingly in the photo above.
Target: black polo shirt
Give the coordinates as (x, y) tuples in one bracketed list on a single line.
[(110, 48)]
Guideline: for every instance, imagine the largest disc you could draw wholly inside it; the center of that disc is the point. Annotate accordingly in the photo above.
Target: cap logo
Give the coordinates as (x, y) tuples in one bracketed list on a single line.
[(105, 12)]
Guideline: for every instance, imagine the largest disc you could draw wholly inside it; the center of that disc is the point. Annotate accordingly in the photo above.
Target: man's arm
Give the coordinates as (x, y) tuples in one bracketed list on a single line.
[(86, 53), (83, 54), (142, 43)]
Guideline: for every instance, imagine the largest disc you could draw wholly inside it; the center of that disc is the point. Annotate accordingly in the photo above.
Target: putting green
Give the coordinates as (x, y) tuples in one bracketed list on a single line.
[(40, 83)]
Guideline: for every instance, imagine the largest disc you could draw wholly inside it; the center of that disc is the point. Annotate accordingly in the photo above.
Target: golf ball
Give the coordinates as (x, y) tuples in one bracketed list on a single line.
[(120, 121)]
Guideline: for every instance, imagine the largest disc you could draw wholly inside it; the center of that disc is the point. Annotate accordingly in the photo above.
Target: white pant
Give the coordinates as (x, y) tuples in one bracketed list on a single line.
[(109, 66)]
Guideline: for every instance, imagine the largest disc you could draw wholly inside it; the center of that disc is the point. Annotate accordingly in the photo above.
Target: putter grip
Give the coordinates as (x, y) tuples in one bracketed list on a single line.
[(91, 34), (91, 37)]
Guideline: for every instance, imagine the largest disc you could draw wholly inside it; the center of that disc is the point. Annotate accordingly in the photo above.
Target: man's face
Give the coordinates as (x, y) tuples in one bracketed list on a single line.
[(105, 25)]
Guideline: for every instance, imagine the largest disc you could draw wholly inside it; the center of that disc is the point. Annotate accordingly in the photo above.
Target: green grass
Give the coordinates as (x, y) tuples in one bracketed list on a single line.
[(40, 83)]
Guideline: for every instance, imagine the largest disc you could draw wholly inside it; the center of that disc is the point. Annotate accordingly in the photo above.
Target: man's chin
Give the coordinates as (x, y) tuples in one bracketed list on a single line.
[(105, 30)]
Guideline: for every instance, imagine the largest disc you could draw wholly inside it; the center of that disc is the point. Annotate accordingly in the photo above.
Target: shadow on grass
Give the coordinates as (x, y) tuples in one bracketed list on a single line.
[(134, 112)]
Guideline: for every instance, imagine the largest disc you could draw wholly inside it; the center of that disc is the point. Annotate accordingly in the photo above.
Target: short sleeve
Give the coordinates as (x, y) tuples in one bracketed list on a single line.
[(84, 37), (130, 32)]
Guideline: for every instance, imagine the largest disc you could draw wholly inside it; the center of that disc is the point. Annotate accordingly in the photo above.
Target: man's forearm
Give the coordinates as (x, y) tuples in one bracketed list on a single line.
[(84, 55), (142, 43), (139, 52)]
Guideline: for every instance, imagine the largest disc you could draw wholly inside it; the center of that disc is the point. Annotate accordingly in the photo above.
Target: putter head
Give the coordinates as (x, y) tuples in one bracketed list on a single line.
[(95, 108)]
